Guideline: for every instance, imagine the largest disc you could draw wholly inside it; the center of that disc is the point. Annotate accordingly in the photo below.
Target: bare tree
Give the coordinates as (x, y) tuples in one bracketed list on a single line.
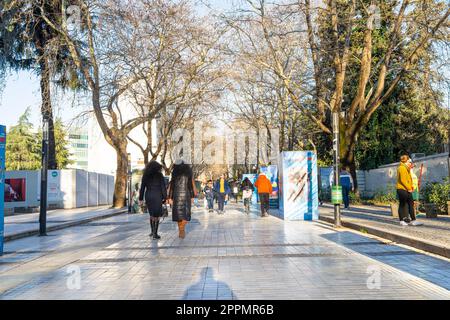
[(95, 49), (183, 73), (316, 85)]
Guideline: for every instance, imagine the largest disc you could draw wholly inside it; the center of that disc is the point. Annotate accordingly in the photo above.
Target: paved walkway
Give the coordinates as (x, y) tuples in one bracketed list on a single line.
[(27, 224), (434, 231), (233, 256)]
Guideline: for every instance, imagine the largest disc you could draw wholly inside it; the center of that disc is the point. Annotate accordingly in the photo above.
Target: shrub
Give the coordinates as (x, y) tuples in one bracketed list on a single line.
[(437, 193), (355, 198), (386, 197)]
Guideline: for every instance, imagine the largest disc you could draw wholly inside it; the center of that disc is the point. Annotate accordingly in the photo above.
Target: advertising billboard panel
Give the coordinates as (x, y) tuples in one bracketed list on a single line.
[(298, 186)]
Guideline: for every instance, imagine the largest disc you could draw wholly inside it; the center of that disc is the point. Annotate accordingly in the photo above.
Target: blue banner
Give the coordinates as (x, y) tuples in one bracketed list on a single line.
[(2, 185)]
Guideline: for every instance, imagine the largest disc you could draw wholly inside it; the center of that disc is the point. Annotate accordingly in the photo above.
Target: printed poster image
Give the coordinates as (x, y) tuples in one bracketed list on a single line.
[(15, 190), (298, 186)]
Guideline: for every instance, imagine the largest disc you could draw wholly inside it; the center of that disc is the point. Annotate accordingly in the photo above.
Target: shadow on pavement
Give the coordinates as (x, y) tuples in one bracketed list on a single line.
[(429, 268), (208, 288)]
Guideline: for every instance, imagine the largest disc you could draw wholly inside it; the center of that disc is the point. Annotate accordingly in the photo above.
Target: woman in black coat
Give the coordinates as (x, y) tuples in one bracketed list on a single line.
[(181, 194), (153, 189)]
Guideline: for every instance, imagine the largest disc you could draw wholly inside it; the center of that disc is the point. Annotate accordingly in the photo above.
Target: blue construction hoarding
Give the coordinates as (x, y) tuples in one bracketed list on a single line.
[(2, 184)]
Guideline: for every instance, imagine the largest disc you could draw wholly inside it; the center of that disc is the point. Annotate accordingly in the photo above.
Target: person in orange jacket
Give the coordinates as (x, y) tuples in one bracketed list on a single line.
[(264, 187)]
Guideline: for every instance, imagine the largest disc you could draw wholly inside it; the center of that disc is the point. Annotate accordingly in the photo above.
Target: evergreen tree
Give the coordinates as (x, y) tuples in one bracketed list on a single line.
[(61, 145), (27, 42), (22, 149), (23, 145)]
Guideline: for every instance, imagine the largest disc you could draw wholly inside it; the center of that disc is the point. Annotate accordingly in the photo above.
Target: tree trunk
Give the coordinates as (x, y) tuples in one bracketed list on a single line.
[(146, 153), (120, 187), (47, 111)]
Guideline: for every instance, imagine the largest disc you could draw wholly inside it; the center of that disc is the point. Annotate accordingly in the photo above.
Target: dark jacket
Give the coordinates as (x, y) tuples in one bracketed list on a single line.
[(153, 187), (226, 187), (247, 185), (181, 191), (209, 192)]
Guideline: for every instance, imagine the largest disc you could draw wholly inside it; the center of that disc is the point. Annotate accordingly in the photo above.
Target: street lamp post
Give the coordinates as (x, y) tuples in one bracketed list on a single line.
[(44, 170), (129, 183), (448, 131), (336, 160)]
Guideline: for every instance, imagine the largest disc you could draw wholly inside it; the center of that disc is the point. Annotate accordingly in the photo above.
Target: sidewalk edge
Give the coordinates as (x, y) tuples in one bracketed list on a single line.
[(415, 243), (65, 225)]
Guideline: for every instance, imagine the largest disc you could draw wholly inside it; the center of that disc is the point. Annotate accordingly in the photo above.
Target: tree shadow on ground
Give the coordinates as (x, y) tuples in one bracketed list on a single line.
[(429, 268)]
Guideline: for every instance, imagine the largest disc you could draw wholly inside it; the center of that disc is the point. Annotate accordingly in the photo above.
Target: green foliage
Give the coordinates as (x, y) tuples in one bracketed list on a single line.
[(386, 197), (411, 120), (61, 144), (22, 150), (355, 198), (437, 193), (26, 40), (23, 145)]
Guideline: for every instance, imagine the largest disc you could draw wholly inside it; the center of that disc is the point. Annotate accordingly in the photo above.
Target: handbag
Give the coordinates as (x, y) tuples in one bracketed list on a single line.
[(247, 194), (165, 211)]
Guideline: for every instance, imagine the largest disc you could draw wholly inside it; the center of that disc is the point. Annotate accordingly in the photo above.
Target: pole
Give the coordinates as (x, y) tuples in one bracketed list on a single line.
[(129, 183), (448, 132), (44, 170), (336, 160)]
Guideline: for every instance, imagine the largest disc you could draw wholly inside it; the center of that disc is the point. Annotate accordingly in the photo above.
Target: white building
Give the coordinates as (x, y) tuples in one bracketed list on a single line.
[(79, 148), (102, 156)]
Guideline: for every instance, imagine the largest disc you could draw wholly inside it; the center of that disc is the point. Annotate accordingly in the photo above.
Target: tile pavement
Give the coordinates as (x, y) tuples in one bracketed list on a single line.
[(233, 256)]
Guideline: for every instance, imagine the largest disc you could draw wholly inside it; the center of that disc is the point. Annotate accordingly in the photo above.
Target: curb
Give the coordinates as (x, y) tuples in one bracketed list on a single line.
[(415, 243), (65, 225)]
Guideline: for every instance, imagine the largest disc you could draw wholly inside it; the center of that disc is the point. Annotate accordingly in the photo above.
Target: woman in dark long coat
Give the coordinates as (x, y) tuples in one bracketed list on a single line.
[(181, 194), (153, 189)]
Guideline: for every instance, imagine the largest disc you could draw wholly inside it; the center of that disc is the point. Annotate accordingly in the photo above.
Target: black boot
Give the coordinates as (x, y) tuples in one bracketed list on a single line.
[(155, 233), (152, 225)]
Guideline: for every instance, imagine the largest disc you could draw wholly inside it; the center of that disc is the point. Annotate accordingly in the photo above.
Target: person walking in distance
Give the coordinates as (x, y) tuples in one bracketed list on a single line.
[(405, 190), (235, 188), (154, 191), (264, 190), (346, 182), (181, 195), (209, 195), (247, 192), (222, 190)]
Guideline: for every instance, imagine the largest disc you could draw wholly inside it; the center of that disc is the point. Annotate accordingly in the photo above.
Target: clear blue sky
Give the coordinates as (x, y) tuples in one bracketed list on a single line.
[(21, 91)]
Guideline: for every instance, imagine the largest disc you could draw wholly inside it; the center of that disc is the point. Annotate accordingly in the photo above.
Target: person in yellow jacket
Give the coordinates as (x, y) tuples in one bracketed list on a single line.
[(405, 189), (416, 192)]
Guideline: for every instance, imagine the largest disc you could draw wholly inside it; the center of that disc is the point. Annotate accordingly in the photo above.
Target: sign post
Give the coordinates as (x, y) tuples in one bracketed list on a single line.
[(129, 172), (336, 160), (44, 182), (2, 185), (336, 195)]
